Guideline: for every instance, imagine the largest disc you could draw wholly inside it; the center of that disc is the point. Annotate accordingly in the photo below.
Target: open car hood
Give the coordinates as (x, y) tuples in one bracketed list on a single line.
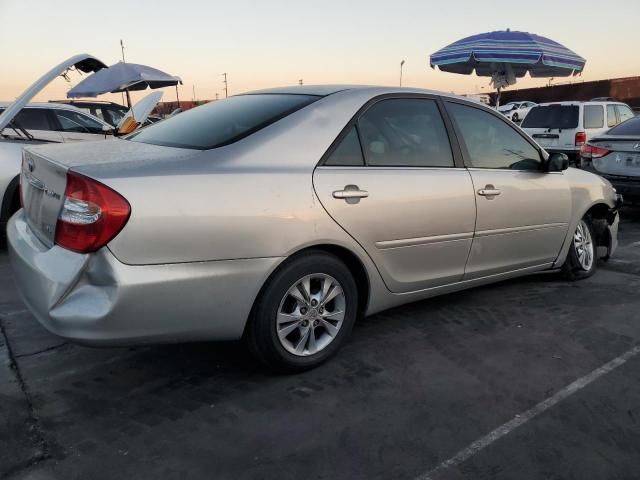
[(84, 62), (140, 111)]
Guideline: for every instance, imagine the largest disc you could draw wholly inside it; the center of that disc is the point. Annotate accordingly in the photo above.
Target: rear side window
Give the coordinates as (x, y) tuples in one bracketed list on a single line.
[(630, 127), (405, 132), (625, 112), (612, 120), (71, 121), (593, 116), (33, 119), (348, 153), (552, 116), (491, 143), (222, 122)]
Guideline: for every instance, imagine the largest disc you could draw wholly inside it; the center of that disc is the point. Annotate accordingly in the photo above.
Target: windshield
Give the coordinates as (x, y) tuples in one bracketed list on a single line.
[(630, 127), (222, 122), (552, 116)]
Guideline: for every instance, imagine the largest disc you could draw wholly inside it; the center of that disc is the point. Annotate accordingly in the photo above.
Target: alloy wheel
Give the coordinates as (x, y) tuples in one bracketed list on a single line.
[(310, 314), (583, 244)]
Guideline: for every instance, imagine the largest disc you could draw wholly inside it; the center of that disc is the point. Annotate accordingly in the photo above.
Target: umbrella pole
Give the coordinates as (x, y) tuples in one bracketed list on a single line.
[(128, 99), (177, 97), (498, 98)]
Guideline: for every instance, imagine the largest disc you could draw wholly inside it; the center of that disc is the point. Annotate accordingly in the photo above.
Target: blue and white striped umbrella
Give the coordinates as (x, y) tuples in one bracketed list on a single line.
[(508, 53)]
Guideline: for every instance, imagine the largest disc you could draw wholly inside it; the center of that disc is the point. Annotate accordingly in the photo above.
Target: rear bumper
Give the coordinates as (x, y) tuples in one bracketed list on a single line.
[(96, 299), (628, 187)]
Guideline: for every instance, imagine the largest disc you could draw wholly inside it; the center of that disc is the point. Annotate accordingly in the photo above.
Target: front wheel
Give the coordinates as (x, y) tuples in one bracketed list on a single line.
[(581, 260), (304, 314)]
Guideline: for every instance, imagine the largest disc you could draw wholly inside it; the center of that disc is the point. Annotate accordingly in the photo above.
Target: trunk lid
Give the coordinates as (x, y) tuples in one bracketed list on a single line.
[(45, 167), (623, 158), (43, 183)]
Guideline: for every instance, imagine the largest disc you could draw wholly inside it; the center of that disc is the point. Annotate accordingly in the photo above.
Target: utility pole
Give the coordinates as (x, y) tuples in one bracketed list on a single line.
[(401, 65), (194, 94), (124, 61), (217, 95), (226, 85)]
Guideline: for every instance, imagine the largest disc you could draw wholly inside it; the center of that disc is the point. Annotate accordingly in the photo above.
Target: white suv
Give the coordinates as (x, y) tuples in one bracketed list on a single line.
[(566, 126)]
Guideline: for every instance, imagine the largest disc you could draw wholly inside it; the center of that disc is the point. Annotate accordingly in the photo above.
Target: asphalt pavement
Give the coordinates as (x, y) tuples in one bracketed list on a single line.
[(419, 392)]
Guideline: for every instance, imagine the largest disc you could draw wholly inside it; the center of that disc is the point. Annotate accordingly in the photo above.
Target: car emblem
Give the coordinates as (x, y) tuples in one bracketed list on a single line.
[(637, 145)]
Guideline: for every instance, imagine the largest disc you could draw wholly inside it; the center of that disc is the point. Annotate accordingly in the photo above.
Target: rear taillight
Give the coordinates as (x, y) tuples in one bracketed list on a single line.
[(581, 138), (591, 151), (92, 214)]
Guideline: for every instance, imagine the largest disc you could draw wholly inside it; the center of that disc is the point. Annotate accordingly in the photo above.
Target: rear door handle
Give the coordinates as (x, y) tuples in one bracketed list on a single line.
[(489, 191), (350, 192)]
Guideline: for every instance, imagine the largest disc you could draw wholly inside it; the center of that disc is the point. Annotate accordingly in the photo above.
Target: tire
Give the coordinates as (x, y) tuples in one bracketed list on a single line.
[(290, 331), (577, 265)]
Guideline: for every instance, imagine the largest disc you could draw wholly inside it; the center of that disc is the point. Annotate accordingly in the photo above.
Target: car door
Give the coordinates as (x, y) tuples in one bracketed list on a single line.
[(393, 183), (523, 212), (75, 126)]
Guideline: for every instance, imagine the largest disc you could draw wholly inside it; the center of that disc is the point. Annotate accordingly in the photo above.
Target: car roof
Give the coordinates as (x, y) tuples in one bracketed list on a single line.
[(578, 102), (104, 103), (324, 90), (45, 105)]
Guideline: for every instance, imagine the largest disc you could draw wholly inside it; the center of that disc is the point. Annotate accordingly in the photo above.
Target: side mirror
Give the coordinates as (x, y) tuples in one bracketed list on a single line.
[(557, 162)]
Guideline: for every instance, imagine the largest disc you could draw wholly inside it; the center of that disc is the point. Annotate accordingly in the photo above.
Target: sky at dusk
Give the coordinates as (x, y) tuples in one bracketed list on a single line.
[(277, 42)]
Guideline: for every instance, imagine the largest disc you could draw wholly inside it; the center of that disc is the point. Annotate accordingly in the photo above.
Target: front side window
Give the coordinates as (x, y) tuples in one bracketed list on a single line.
[(222, 122), (33, 119), (625, 112), (611, 116), (71, 121), (593, 116), (348, 153), (491, 142), (405, 132)]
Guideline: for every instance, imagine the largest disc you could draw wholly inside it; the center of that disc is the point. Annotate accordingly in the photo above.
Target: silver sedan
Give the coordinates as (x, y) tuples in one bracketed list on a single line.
[(281, 216)]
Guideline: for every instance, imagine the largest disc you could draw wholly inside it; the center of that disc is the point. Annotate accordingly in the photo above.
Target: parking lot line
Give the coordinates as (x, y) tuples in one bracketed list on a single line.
[(524, 417)]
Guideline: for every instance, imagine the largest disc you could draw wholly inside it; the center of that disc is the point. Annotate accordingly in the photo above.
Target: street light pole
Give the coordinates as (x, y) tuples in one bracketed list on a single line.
[(226, 85), (124, 61), (401, 65)]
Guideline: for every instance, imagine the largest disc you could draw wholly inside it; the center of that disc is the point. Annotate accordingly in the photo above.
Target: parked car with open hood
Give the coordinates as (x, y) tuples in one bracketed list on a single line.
[(23, 123), (565, 126), (616, 157), (280, 216), (516, 111), (57, 123)]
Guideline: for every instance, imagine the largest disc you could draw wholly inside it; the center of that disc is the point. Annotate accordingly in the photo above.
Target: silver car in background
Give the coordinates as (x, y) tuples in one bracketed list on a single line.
[(281, 216)]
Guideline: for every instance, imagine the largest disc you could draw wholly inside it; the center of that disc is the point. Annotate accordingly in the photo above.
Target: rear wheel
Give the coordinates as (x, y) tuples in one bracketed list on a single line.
[(581, 260), (304, 314)]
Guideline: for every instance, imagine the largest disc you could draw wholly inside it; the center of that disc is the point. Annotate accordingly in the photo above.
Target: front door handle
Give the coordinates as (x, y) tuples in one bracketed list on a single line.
[(351, 193), (489, 191)]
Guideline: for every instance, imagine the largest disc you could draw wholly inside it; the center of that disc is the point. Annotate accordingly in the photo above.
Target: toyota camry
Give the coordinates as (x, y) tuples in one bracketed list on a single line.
[(282, 216)]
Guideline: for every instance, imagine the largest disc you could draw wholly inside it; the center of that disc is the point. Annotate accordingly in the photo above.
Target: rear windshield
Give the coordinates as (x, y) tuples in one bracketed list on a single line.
[(221, 122), (630, 127), (552, 116)]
